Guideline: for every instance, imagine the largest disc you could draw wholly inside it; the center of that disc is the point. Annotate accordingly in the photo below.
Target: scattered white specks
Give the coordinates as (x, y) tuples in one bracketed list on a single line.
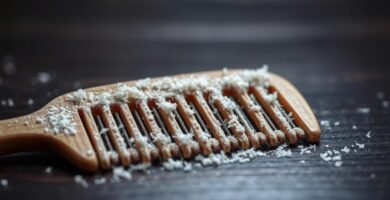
[(10, 102), (282, 152), (306, 150), (187, 167), (272, 98), (30, 102), (3, 182), (89, 152), (49, 170), (119, 173), (171, 164), (143, 83), (44, 77), (80, 180), (39, 120), (100, 181), (330, 156), (125, 92), (325, 123), (168, 107), (385, 104), (338, 163), (361, 146), (77, 97), (368, 135), (345, 149), (336, 158), (326, 157), (363, 110), (61, 120), (103, 99)]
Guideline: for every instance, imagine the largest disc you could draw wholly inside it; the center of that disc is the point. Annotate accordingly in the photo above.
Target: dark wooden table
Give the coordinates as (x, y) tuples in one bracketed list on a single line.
[(336, 53)]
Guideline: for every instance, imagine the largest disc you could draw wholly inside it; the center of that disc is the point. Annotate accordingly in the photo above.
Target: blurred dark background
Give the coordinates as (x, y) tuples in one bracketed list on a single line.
[(335, 52)]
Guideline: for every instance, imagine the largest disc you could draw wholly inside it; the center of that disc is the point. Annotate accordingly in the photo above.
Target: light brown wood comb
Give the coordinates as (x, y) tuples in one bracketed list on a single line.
[(150, 120)]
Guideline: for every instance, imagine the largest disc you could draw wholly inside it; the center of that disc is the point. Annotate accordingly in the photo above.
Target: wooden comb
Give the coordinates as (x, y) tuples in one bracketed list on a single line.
[(157, 119)]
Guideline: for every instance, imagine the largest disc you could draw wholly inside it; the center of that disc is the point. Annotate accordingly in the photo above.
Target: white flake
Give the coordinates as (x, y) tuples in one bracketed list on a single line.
[(361, 146), (39, 120), (325, 123), (368, 135), (100, 181), (11, 102), (3, 182), (44, 77), (30, 101), (125, 92), (80, 180), (272, 98), (103, 98), (144, 83), (49, 170), (171, 164), (77, 97), (119, 173), (282, 152), (61, 120), (326, 157), (166, 106), (385, 104), (363, 110), (345, 149), (338, 163)]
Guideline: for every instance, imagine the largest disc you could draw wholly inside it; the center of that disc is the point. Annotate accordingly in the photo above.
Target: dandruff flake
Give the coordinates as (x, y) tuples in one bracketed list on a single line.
[(61, 121)]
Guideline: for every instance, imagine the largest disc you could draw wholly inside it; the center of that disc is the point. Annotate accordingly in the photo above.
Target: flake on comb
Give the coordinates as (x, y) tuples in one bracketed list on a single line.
[(184, 138), (258, 77), (125, 92), (227, 104), (160, 137), (234, 123), (272, 98), (166, 106), (61, 121), (243, 79), (234, 81), (103, 98), (77, 97), (143, 83)]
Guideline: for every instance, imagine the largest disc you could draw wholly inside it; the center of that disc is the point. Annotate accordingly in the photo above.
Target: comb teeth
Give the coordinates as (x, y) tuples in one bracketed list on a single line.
[(142, 131)]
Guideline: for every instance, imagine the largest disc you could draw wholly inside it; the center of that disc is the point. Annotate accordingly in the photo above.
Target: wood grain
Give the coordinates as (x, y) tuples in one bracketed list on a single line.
[(334, 52)]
